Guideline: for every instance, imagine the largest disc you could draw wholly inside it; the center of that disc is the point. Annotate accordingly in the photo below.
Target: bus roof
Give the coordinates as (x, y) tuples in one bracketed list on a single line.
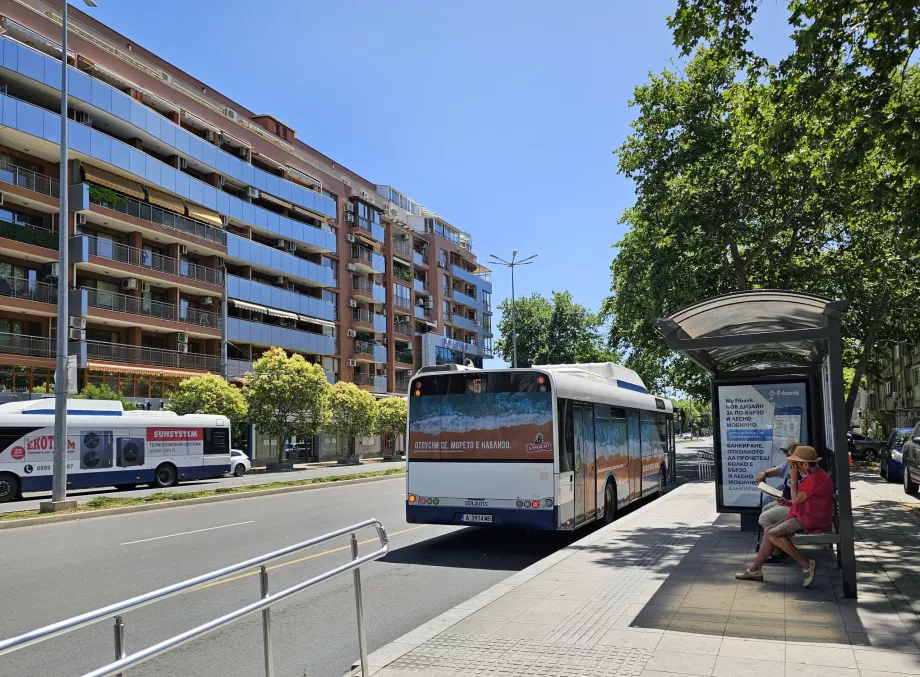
[(99, 412)]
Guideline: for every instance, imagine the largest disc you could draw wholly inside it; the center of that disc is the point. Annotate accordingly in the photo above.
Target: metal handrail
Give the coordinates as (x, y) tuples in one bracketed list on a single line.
[(26, 178), (705, 464), (116, 610), (22, 288), (115, 251)]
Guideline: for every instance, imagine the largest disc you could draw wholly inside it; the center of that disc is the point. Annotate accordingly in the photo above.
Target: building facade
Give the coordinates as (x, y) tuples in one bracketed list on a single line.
[(180, 197), (894, 395)]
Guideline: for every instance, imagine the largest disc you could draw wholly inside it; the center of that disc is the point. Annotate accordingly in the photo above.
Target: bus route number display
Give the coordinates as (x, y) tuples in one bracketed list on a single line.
[(755, 421)]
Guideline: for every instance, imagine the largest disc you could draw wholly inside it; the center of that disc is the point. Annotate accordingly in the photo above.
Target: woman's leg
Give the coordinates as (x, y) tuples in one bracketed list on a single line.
[(766, 549), (788, 547)]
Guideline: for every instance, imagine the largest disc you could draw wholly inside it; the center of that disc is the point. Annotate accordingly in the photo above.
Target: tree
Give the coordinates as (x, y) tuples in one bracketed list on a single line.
[(352, 412), (551, 331), (101, 391), (286, 396), (209, 394), (392, 415)]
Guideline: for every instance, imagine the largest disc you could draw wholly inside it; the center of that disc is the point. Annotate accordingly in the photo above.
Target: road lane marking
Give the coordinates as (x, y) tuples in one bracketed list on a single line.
[(185, 533), (304, 559)]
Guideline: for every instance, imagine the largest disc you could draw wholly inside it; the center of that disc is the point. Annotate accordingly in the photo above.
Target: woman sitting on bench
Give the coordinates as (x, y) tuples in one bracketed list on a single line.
[(812, 510)]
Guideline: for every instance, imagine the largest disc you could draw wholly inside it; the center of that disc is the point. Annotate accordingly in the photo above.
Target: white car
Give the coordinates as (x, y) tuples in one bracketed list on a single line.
[(687, 436), (239, 463)]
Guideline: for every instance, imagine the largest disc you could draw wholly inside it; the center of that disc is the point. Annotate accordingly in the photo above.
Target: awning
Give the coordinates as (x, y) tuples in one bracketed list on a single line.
[(198, 120), (113, 181), (164, 200), (272, 198), (430, 324), (146, 371), (204, 214), (249, 306), (267, 160), (368, 241), (303, 212), (282, 313), (235, 141), (322, 323)]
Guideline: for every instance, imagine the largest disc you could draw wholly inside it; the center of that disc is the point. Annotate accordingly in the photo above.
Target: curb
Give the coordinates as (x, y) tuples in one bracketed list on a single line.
[(399, 647), (72, 516)]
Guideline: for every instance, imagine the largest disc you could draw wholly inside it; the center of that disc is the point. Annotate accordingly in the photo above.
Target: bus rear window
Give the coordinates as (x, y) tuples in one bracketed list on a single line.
[(473, 383)]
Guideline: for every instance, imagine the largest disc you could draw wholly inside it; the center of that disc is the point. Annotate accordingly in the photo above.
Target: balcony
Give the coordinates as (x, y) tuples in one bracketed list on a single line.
[(402, 246), (133, 305), (27, 346), (402, 383), (465, 299), (362, 316), (28, 234), (132, 256), (467, 276), (24, 178), (375, 229), (255, 253), (146, 212), (360, 379), (366, 260), (157, 357), (361, 287), (422, 313), (370, 349), (445, 292), (404, 357), (262, 334), (402, 302), (28, 290), (419, 286), (380, 323), (276, 297), (403, 328), (464, 323), (419, 259)]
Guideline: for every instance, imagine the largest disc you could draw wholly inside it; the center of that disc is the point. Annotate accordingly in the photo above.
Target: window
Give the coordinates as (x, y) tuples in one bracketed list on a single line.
[(566, 434), (443, 257), (101, 335), (445, 310), (217, 441), (486, 300), (445, 283), (401, 295), (487, 324)]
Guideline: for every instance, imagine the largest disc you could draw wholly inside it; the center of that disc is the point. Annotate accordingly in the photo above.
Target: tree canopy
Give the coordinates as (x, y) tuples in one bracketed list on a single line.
[(392, 416), (286, 396), (352, 412), (209, 394), (101, 391), (551, 331)]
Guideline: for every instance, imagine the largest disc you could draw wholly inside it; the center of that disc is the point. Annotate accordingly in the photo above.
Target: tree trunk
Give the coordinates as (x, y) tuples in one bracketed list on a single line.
[(739, 266), (868, 347)]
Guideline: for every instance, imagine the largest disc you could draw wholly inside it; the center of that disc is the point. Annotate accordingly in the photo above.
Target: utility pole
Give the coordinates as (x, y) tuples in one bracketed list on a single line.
[(512, 264)]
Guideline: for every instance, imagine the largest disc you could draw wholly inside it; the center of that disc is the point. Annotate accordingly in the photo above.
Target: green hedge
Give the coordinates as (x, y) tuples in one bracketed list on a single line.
[(29, 235)]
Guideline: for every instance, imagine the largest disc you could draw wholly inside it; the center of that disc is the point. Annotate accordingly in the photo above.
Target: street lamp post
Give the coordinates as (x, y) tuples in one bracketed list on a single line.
[(59, 476), (511, 264)]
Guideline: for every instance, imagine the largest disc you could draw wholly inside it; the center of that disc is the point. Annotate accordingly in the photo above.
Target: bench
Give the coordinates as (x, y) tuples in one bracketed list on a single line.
[(830, 538)]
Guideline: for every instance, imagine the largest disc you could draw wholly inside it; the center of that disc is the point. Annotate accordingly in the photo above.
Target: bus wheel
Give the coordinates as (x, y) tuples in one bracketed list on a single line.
[(9, 487), (165, 476), (610, 504)]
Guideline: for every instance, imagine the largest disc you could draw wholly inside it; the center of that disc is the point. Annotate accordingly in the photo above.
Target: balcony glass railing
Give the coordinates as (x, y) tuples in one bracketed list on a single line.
[(158, 357), (28, 234), (402, 302), (364, 347), (145, 258), (25, 178), (419, 285), (404, 356), (146, 212), (359, 252), (28, 290), (364, 379), (362, 285), (403, 328), (401, 245), (419, 259), (27, 346), (361, 315), (402, 383)]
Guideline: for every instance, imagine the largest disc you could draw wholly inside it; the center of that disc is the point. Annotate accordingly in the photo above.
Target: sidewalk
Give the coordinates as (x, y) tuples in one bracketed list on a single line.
[(654, 594)]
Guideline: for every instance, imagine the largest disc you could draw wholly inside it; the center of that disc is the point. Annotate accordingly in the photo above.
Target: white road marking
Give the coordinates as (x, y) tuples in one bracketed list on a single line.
[(185, 533)]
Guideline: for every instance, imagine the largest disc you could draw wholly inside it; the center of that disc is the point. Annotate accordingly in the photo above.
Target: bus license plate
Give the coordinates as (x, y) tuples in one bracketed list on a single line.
[(476, 519)]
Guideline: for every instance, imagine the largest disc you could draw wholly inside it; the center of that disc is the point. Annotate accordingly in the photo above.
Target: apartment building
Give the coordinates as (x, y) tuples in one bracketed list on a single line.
[(179, 198), (894, 394)]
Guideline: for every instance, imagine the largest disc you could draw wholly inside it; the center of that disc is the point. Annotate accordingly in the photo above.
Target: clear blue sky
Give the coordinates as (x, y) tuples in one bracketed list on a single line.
[(501, 116)]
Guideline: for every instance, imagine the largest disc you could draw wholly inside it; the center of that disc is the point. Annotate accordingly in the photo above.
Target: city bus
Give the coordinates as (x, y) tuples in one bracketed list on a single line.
[(107, 446), (546, 448)]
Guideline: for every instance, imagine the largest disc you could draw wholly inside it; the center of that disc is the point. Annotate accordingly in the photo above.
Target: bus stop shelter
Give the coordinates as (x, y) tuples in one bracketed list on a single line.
[(776, 370)]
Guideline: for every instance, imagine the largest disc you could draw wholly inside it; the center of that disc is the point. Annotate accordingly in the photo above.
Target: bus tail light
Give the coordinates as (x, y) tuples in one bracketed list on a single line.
[(535, 504), (412, 498), (520, 504), (547, 503)]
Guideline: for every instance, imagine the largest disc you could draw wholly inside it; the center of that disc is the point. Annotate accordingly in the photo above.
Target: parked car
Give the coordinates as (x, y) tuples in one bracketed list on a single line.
[(863, 448), (239, 463), (890, 464), (687, 436), (910, 461)]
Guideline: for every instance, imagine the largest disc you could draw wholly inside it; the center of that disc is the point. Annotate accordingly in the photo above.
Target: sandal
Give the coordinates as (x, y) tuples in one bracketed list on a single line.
[(748, 575), (809, 574)]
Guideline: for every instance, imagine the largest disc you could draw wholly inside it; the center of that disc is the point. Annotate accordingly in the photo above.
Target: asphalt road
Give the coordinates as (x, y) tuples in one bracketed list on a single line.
[(54, 571), (31, 500)]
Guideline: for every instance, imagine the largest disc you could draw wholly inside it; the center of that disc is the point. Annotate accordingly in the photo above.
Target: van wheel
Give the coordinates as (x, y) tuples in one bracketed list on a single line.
[(9, 487), (165, 476), (910, 487), (610, 503)]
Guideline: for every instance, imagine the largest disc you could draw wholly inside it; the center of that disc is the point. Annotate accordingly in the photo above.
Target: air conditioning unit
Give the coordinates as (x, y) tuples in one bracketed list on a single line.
[(349, 238), (429, 303), (350, 267), (231, 114), (183, 250), (280, 244), (349, 206), (183, 163), (350, 217), (279, 279), (242, 152), (252, 192), (129, 283), (352, 303), (80, 218), (83, 118), (145, 286), (182, 337), (351, 363), (51, 270), (207, 301), (364, 194), (420, 303), (77, 322), (441, 264), (208, 135), (168, 78), (76, 334), (351, 333), (182, 347)]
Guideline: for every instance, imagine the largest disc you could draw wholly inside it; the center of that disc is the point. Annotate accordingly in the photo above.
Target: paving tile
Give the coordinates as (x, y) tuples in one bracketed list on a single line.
[(698, 627), (637, 639), (837, 655), (532, 631), (887, 661), (471, 627), (681, 662), (816, 633), (752, 648), (793, 668), (658, 673), (690, 643), (730, 666), (753, 631), (900, 643)]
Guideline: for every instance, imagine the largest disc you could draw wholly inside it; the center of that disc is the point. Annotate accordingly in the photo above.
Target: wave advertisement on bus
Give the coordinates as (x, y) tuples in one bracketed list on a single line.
[(481, 419)]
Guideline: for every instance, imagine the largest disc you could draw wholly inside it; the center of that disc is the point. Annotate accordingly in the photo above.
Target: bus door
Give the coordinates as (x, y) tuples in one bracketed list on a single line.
[(585, 480), (635, 455)]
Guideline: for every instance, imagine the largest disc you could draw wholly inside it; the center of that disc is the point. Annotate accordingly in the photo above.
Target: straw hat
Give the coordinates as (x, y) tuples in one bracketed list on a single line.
[(805, 454), (790, 445)]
